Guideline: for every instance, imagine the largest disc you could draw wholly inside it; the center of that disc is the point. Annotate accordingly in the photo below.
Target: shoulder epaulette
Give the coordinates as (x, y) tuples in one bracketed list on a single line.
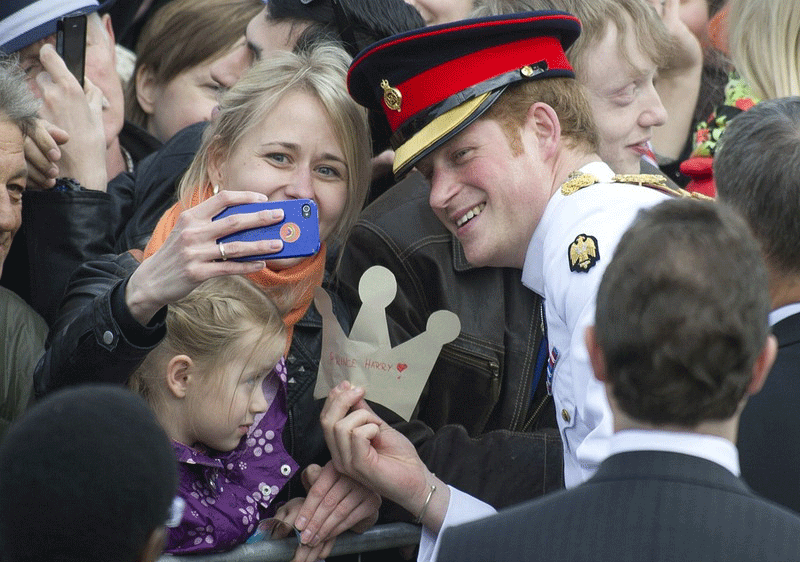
[(659, 183), (577, 181)]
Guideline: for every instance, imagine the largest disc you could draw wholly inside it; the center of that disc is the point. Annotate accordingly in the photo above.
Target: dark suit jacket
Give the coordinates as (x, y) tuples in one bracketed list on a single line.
[(769, 431), (643, 506)]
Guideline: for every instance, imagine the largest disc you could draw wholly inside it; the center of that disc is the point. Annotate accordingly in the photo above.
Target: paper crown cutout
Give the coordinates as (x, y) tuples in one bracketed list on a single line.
[(391, 376)]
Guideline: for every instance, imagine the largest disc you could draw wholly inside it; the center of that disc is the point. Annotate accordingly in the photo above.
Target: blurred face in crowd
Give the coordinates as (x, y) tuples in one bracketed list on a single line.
[(695, 14), (188, 98), (621, 92), (262, 36), (13, 176), (442, 11), (100, 69)]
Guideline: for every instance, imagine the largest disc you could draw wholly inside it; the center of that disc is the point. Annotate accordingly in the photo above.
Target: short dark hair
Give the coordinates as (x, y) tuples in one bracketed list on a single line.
[(682, 312), (86, 474), (368, 20), (757, 171), (354, 24)]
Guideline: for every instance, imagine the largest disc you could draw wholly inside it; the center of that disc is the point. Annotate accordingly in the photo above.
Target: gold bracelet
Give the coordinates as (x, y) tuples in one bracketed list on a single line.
[(418, 520)]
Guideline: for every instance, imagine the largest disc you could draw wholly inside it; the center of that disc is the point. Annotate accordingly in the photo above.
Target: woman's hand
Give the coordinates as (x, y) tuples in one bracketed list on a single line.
[(288, 514), (190, 255), (366, 448), (335, 503)]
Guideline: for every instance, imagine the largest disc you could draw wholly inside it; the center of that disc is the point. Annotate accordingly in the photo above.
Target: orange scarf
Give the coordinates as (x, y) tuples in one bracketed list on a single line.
[(305, 276)]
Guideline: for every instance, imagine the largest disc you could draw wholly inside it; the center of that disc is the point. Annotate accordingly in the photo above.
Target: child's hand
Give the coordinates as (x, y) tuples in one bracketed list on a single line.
[(335, 503), (288, 513)]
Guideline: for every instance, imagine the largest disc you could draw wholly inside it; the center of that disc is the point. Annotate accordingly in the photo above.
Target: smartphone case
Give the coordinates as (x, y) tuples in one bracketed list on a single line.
[(299, 229), (71, 44)]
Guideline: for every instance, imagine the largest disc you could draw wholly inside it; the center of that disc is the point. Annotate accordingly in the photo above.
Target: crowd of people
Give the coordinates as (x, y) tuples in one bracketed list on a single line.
[(604, 191)]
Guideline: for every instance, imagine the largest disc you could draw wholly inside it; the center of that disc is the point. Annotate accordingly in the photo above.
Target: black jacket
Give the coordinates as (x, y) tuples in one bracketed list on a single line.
[(640, 505), (62, 229), (769, 438), (478, 425)]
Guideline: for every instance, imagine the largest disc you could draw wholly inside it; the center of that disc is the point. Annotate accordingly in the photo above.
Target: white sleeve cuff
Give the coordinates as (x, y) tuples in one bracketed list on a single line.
[(462, 508)]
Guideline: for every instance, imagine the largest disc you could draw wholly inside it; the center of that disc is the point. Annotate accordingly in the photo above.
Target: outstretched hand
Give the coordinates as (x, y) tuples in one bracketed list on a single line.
[(335, 503), (366, 448)]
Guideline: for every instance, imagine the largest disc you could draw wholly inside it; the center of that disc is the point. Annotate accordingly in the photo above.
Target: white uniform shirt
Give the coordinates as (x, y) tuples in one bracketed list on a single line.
[(602, 211)]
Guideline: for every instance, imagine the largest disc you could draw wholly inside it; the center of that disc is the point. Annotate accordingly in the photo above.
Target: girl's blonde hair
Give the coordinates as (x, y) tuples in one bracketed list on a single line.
[(764, 38), (319, 71), (208, 325)]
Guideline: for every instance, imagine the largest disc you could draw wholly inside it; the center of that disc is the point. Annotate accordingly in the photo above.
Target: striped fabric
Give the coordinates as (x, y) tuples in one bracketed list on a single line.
[(23, 22)]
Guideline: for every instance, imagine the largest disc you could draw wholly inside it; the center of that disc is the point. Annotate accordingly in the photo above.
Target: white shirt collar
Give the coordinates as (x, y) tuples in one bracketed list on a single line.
[(783, 312), (709, 447)]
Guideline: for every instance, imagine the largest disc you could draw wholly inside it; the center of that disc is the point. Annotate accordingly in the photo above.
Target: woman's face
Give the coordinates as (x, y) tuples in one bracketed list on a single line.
[(188, 98), (292, 154)]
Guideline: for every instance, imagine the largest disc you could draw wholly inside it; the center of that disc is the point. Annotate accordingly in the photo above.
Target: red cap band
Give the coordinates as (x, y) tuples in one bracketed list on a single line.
[(439, 83)]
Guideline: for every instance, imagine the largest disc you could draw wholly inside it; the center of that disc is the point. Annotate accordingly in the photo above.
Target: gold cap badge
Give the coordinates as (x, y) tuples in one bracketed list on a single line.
[(391, 96), (583, 253)]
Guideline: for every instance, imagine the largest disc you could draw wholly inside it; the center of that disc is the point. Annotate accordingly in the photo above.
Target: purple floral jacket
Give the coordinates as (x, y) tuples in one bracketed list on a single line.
[(227, 495)]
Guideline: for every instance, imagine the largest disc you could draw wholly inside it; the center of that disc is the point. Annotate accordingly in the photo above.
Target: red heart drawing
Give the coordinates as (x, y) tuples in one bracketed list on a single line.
[(402, 367)]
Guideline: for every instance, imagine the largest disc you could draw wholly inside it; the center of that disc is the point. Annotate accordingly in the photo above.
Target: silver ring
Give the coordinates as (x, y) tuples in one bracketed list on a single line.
[(222, 251)]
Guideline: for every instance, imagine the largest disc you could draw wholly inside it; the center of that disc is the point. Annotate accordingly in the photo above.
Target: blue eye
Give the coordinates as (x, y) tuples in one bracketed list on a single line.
[(329, 171), (278, 157)]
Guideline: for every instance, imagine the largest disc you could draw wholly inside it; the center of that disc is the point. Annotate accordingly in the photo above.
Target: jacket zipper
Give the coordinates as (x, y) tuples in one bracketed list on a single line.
[(479, 362)]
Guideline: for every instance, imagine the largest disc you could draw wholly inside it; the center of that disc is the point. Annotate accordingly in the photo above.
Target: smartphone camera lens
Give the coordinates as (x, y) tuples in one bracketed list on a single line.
[(306, 210)]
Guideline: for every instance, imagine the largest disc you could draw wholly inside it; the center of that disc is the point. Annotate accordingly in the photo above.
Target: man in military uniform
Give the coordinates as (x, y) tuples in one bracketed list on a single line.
[(489, 111)]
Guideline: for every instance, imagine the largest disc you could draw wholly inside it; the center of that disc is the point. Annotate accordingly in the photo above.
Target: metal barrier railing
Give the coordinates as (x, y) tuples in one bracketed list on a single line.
[(379, 537)]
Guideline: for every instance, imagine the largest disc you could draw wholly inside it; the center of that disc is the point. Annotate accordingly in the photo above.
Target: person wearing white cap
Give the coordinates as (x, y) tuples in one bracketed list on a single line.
[(26, 28), (80, 142)]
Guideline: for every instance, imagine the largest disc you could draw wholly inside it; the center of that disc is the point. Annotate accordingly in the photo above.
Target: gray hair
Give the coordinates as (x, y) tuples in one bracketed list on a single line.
[(756, 170), (17, 103)]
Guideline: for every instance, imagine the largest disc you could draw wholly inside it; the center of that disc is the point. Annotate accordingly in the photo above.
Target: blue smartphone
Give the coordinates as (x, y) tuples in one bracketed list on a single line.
[(299, 229)]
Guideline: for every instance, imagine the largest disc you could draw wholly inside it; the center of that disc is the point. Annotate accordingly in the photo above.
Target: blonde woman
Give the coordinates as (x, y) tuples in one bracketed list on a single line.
[(287, 130)]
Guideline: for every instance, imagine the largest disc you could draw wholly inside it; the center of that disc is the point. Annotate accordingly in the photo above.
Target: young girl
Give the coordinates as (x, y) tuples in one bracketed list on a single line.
[(217, 384)]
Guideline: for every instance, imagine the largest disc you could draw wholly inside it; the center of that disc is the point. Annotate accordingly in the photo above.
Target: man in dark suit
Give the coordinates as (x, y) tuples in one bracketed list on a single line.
[(680, 341), (757, 170)]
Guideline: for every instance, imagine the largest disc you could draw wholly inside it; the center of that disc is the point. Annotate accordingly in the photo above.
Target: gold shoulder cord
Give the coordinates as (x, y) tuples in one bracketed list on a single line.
[(577, 181), (659, 183)]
